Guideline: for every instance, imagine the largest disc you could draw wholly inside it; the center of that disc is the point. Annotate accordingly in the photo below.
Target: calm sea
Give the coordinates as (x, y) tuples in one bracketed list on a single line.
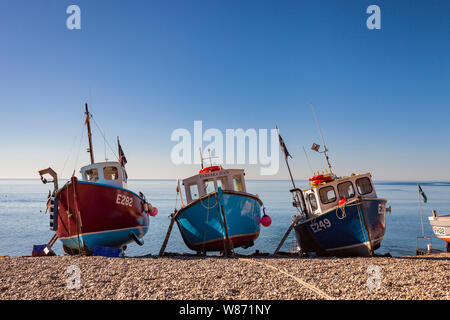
[(23, 223)]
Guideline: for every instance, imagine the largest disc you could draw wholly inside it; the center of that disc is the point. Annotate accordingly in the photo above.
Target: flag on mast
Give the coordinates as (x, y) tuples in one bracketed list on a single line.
[(283, 147), (122, 158), (422, 194)]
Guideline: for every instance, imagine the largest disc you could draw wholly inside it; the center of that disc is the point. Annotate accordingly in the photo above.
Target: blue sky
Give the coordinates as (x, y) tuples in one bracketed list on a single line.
[(147, 68)]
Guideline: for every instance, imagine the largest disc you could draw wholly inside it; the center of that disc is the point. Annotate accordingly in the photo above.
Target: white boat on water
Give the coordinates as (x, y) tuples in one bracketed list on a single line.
[(441, 227)]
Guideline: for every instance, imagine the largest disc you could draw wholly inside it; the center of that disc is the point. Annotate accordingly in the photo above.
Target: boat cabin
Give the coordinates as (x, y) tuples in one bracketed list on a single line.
[(327, 194), (110, 173), (211, 178)]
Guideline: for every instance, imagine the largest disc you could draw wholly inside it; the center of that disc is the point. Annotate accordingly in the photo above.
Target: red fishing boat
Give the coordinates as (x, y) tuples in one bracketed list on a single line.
[(98, 209)]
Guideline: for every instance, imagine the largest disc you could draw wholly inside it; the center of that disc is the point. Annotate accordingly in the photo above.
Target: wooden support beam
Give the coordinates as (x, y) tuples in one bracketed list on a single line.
[(169, 231), (286, 234)]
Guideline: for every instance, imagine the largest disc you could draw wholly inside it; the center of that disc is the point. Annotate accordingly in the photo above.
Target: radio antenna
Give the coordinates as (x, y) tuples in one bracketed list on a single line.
[(307, 160), (315, 146), (201, 156)]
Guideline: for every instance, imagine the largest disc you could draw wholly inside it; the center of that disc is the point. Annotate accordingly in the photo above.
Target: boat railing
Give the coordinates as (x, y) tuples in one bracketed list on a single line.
[(422, 251)]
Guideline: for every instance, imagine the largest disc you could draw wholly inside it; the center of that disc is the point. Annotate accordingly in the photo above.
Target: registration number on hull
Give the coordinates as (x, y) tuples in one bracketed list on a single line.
[(440, 231), (124, 200), (321, 225), (381, 208)]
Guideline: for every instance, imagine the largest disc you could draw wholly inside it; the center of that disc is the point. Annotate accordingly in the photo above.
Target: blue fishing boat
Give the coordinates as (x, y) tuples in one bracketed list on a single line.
[(219, 215), (340, 216), (344, 216)]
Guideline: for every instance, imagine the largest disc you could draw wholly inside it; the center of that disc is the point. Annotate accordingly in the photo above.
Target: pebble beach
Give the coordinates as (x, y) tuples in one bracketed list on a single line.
[(234, 278)]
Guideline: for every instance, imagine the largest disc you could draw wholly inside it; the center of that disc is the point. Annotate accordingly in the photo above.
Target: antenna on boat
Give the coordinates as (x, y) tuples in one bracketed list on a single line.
[(91, 149), (307, 160), (315, 146), (210, 161), (201, 156), (209, 158)]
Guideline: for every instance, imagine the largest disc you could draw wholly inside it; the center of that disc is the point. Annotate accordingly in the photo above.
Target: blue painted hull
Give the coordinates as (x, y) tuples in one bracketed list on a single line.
[(355, 229), (203, 228), (112, 238)]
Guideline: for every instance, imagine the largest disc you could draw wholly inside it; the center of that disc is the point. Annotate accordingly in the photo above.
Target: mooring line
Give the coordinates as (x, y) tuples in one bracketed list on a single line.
[(300, 281)]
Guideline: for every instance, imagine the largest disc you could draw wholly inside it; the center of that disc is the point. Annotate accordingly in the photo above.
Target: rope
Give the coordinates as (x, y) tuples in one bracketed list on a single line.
[(225, 244), (104, 138), (206, 227), (344, 214), (362, 227), (68, 156), (70, 150), (208, 207), (78, 153), (76, 217), (300, 281)]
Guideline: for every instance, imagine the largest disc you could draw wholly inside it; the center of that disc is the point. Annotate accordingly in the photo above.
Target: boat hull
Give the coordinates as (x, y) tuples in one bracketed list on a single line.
[(441, 227), (353, 229), (91, 214), (202, 226)]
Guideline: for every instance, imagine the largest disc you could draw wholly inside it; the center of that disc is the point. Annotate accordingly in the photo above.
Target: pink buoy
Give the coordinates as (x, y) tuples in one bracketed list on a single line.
[(266, 221), (153, 212)]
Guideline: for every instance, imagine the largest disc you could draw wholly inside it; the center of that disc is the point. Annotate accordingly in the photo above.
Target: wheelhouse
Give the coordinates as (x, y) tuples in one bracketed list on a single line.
[(210, 179), (110, 173), (327, 195)]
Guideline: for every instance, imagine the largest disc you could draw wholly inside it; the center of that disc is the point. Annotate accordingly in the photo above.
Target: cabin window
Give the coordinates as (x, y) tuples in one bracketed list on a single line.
[(193, 189), (222, 182), (91, 175), (346, 190), (237, 183), (327, 195), (312, 201), (209, 186), (110, 173), (364, 186)]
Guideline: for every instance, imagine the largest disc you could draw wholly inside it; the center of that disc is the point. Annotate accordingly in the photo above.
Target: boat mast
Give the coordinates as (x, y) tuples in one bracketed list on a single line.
[(323, 140), (201, 156), (91, 149), (295, 189)]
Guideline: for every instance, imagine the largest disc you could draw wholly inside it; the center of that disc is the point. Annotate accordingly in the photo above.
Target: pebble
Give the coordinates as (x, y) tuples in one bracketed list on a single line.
[(225, 278)]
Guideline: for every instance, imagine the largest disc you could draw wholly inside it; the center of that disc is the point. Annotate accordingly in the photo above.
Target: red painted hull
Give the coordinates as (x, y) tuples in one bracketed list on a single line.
[(244, 241), (85, 208)]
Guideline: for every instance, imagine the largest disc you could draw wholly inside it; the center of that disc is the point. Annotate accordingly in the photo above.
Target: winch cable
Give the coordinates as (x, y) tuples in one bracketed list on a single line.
[(104, 138), (71, 149), (78, 153)]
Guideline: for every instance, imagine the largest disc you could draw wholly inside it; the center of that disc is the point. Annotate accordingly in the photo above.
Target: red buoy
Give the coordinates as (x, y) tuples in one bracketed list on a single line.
[(153, 212), (266, 221), (342, 201)]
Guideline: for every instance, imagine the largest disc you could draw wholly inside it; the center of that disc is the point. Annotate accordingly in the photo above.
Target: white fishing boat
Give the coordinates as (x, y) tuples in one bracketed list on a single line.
[(441, 227)]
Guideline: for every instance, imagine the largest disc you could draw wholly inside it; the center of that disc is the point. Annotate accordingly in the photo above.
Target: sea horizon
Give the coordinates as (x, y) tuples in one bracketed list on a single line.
[(26, 198), (249, 179)]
